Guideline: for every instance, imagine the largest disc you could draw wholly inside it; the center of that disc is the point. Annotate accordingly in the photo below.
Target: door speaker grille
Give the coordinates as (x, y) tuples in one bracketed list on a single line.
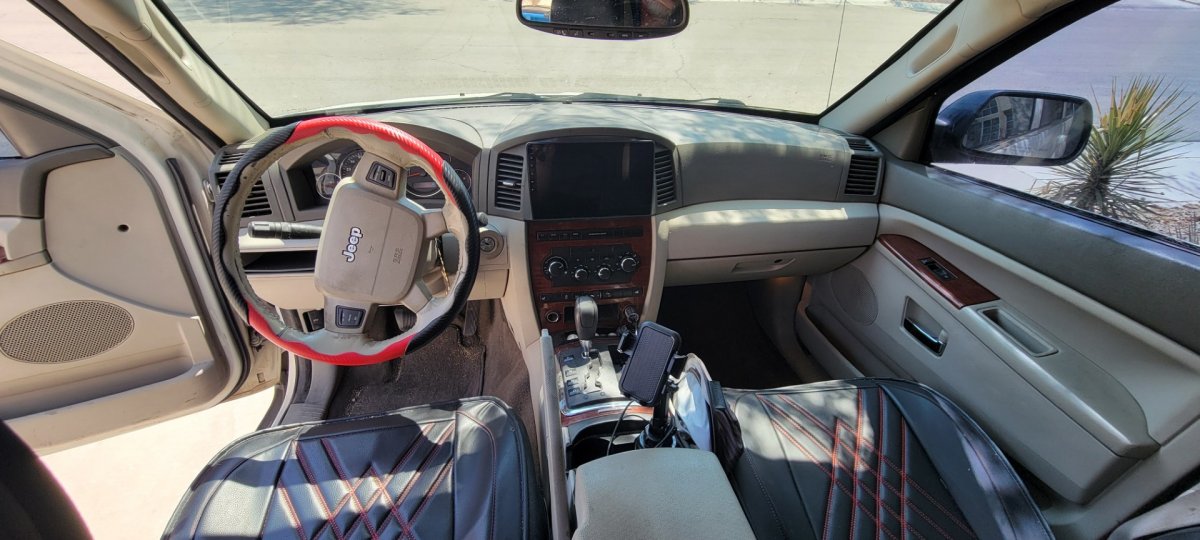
[(65, 332), (854, 294)]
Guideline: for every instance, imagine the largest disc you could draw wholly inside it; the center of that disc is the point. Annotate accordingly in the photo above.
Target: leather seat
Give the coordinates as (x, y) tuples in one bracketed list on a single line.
[(457, 470), (873, 458)]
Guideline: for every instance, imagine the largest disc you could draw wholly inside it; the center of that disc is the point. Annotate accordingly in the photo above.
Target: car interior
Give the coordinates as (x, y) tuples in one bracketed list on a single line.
[(574, 317)]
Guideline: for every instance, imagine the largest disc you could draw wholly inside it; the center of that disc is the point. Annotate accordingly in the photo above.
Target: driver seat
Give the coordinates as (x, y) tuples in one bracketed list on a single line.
[(457, 470)]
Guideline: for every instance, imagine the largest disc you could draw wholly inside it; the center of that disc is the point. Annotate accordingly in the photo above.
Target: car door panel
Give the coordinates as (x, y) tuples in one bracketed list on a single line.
[(1146, 279), (969, 372), (1080, 366), (107, 315), (107, 323)]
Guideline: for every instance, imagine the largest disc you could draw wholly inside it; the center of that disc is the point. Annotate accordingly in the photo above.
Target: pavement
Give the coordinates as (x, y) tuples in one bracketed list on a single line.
[(369, 50), (127, 486)]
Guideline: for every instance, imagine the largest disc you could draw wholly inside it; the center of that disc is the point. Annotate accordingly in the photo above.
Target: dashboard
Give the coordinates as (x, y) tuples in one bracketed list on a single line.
[(615, 201), (327, 170)]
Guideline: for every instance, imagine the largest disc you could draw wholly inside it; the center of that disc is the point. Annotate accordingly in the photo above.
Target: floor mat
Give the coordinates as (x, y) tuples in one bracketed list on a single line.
[(717, 324), (442, 370)]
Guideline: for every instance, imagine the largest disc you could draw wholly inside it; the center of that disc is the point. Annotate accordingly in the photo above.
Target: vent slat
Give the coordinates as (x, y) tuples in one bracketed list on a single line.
[(510, 174), (258, 203), (664, 177), (862, 173), (859, 144), (229, 158), (862, 177)]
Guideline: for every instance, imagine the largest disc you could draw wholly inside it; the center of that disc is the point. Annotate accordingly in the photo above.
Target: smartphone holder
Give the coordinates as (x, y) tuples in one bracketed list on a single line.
[(646, 379)]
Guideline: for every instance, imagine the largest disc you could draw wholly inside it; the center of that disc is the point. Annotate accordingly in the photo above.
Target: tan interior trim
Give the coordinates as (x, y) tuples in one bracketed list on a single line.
[(141, 33), (971, 28)]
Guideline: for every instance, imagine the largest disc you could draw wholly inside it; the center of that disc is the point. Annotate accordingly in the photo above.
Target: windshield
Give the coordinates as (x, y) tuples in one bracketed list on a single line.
[(293, 56)]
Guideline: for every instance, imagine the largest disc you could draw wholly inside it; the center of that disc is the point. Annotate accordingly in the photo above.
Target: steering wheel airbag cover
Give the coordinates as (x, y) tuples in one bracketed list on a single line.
[(341, 349)]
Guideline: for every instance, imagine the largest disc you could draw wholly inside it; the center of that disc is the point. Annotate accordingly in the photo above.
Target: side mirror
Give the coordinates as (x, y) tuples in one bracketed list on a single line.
[(1012, 128), (605, 19)]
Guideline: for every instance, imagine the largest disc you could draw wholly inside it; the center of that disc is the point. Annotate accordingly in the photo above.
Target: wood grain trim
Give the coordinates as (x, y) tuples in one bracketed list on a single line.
[(960, 290), (538, 251), (590, 415)]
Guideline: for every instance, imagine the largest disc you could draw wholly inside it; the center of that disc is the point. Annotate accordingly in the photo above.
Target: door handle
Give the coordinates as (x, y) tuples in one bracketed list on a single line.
[(931, 340)]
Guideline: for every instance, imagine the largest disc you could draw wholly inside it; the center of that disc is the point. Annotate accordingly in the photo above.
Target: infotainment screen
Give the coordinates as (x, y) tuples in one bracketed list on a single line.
[(586, 179)]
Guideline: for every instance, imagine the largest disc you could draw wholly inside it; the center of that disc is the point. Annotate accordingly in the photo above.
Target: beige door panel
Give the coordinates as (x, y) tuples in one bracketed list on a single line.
[(1054, 447), (50, 321), (108, 318), (1092, 403), (118, 323), (103, 228), (1160, 374)]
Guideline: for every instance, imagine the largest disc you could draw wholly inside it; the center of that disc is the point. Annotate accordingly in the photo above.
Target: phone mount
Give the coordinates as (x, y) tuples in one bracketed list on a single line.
[(646, 379)]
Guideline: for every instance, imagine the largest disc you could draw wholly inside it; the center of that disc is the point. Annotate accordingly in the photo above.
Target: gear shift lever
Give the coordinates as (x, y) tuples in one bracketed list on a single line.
[(587, 318)]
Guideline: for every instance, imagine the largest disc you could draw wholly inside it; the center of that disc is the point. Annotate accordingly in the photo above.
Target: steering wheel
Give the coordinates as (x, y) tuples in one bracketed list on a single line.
[(375, 248)]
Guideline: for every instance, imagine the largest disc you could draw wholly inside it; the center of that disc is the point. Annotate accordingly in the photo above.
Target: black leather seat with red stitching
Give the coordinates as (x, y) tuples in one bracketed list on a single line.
[(457, 470), (873, 458)]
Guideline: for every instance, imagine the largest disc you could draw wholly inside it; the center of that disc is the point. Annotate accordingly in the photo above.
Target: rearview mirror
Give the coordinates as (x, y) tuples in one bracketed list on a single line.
[(1012, 128), (605, 19)]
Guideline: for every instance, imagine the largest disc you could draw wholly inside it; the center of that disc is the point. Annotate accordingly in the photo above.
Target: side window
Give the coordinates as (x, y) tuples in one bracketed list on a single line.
[(1135, 63), (7, 150)]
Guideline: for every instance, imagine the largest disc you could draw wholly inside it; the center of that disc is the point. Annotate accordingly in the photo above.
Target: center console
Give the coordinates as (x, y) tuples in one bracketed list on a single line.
[(607, 259), (590, 242), (590, 200)]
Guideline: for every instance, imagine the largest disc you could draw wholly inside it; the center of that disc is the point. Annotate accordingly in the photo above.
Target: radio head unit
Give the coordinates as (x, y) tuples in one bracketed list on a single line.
[(590, 179)]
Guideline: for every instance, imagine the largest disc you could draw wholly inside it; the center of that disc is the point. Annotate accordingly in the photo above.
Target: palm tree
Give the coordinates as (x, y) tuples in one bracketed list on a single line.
[(1120, 172)]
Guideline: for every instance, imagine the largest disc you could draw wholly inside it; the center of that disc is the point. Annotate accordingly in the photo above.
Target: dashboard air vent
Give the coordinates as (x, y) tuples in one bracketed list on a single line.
[(258, 204), (863, 176), (859, 144), (510, 173), (664, 177), (231, 156)]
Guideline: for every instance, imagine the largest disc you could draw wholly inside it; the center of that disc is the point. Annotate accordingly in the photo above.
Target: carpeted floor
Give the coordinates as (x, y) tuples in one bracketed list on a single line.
[(442, 370), (448, 368), (717, 324)]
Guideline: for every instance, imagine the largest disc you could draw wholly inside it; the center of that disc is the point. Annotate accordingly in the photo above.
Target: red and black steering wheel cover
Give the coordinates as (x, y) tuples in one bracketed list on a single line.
[(259, 314)]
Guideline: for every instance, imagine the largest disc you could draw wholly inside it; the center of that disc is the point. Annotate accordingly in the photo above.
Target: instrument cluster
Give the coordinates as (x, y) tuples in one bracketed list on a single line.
[(329, 169)]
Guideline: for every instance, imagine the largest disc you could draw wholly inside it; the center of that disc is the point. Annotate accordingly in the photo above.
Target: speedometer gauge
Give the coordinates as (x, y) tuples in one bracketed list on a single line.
[(326, 183), (420, 184), (349, 162)]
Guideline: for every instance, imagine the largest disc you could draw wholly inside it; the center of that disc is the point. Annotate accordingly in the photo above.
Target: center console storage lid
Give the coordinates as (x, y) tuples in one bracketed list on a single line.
[(657, 493)]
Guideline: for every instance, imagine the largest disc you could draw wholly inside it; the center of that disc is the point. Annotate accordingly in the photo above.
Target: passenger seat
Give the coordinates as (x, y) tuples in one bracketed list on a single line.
[(877, 459)]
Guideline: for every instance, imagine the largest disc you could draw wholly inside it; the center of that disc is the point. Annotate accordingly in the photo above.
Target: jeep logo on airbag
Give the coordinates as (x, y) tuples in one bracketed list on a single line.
[(356, 235)]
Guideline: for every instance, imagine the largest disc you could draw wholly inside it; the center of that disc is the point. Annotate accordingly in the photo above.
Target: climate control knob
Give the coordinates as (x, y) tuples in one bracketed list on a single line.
[(580, 273), (629, 262), (555, 267), (604, 273)]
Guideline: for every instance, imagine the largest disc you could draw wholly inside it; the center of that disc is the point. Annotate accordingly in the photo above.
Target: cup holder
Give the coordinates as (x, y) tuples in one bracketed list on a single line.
[(592, 443)]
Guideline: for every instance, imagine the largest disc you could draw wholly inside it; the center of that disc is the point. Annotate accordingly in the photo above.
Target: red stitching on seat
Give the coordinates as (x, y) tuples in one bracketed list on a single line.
[(950, 515), (291, 510), (837, 423), (394, 505), (879, 465), (352, 490), (492, 438), (387, 479), (857, 444), (903, 470), (832, 483), (373, 474), (316, 490), (832, 477), (437, 481)]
